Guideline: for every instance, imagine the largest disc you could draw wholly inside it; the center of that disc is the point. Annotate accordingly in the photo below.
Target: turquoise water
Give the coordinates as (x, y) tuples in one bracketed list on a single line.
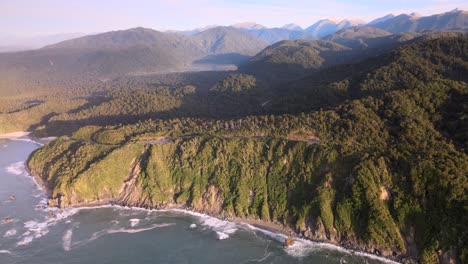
[(121, 235)]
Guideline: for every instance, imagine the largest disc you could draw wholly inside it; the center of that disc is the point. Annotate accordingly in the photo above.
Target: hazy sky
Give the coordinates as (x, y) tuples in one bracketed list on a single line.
[(30, 17)]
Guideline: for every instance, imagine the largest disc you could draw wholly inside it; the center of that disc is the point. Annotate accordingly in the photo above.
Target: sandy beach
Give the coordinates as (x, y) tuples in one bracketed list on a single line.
[(18, 134)]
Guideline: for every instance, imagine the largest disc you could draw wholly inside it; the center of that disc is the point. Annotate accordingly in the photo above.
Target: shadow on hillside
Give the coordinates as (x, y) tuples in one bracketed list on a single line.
[(223, 59)]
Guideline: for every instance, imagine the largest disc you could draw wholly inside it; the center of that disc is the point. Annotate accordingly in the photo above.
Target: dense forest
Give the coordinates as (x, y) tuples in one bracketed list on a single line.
[(371, 155)]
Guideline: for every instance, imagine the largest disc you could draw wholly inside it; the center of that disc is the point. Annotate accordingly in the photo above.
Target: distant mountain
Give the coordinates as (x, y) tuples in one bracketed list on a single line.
[(294, 58), (193, 31), (326, 27), (454, 20), (322, 28), (359, 38), (381, 19), (134, 51), (347, 23), (248, 26), (292, 26), (224, 40), (273, 35)]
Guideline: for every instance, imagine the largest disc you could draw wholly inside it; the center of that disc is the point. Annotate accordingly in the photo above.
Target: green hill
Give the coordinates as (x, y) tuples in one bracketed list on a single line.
[(382, 168)]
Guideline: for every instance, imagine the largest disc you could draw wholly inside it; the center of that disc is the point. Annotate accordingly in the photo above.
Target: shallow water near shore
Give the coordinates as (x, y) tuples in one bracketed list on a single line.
[(111, 234)]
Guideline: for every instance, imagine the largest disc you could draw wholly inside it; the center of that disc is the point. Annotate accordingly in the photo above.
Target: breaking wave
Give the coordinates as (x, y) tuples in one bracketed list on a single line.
[(222, 228), (67, 237), (10, 233), (16, 168)]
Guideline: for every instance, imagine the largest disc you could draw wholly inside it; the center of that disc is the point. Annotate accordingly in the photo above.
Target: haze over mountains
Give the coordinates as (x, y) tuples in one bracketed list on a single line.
[(143, 51), (133, 51), (10, 43), (452, 20)]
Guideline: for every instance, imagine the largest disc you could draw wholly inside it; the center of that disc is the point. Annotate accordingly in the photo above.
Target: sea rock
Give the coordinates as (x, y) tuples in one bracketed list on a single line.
[(289, 241), (53, 202), (12, 198), (7, 220), (51, 214)]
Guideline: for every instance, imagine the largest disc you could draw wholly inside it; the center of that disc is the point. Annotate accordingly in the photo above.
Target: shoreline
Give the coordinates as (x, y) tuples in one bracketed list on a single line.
[(26, 136), (15, 135), (271, 229)]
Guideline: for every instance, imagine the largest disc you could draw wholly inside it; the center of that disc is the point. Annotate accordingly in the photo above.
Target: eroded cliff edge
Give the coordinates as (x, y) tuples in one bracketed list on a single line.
[(296, 184)]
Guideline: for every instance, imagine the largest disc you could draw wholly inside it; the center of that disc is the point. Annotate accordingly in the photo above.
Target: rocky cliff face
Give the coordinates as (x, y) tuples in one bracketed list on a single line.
[(264, 179)]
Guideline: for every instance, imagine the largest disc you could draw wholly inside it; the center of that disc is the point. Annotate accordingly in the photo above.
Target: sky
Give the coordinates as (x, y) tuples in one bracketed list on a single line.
[(36, 17)]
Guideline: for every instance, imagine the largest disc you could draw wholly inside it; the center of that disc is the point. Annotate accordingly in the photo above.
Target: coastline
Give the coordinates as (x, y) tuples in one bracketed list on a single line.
[(15, 135), (277, 231)]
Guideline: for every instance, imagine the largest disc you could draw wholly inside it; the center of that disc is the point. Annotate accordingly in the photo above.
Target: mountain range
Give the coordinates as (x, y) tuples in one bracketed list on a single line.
[(453, 20), (293, 51), (132, 51)]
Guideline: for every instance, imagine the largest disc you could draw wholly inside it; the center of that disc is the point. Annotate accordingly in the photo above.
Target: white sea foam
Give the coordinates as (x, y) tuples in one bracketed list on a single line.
[(221, 235), (134, 222), (67, 245), (26, 240), (67, 239), (60, 214), (28, 140), (303, 247), (16, 168), (193, 226), (37, 228), (5, 146), (137, 230), (5, 252), (222, 228), (10, 233)]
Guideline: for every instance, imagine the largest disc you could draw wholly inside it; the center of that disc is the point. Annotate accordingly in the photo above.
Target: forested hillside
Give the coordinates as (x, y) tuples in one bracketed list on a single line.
[(135, 51), (371, 156)]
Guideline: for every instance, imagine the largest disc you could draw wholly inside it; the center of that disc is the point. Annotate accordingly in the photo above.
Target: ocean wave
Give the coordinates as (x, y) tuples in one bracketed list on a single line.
[(5, 252), (304, 247), (39, 229), (222, 228), (25, 241), (222, 236), (10, 233), (134, 222), (16, 168), (36, 229), (28, 140), (67, 239)]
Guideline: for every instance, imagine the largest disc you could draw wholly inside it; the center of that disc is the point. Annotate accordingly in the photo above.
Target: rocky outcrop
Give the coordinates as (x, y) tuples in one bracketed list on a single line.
[(211, 201), (289, 241)]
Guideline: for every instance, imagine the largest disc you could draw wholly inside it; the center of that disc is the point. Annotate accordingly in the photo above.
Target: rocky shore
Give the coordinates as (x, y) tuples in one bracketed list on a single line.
[(288, 234), (211, 205)]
